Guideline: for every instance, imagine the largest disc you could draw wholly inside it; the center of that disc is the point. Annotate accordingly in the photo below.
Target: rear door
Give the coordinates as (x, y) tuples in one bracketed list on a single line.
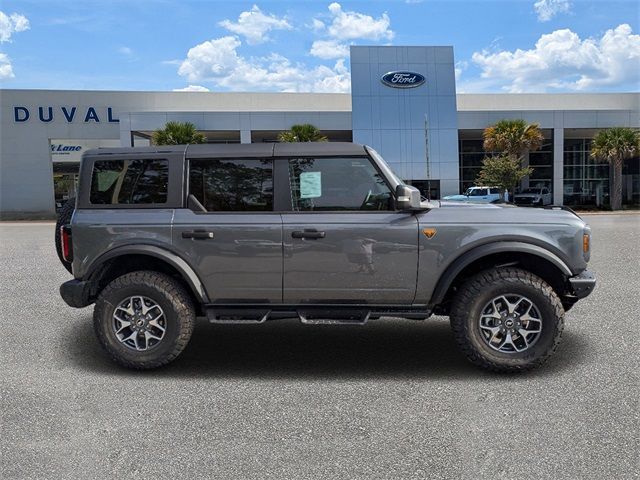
[(235, 243), (343, 240)]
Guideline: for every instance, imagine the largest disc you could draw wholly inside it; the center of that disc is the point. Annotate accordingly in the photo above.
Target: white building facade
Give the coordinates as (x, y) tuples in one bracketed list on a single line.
[(403, 103)]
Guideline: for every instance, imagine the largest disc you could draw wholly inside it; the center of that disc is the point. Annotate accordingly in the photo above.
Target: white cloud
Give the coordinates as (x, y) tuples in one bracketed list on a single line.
[(547, 9), (352, 25), (217, 61), (6, 70), (328, 49), (125, 51), (254, 25), (561, 60), (347, 25), (192, 88), (211, 59), (10, 24), (317, 25)]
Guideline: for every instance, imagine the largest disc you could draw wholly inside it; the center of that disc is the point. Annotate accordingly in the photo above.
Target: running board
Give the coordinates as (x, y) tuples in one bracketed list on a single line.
[(311, 314), (334, 317), (237, 316)]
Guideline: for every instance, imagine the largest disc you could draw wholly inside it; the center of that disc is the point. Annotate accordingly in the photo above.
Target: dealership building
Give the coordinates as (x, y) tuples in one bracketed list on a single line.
[(403, 103)]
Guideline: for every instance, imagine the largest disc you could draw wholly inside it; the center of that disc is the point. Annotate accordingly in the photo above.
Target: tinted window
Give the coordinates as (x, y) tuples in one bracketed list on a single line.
[(129, 182), (325, 184), (232, 185), (494, 191)]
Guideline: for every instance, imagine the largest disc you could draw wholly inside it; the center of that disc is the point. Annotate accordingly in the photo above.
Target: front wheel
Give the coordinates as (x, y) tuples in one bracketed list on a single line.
[(144, 319), (507, 320)]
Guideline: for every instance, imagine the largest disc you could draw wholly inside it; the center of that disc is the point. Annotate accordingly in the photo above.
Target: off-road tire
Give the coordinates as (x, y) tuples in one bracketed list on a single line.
[(477, 291), (64, 217), (166, 292)]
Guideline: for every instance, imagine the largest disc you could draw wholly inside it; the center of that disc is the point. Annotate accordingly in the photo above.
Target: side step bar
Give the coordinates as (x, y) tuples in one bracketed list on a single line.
[(308, 314), (236, 315), (334, 317)]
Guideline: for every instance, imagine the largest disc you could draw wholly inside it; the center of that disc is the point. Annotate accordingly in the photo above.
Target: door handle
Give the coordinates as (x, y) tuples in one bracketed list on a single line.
[(309, 233), (198, 235)]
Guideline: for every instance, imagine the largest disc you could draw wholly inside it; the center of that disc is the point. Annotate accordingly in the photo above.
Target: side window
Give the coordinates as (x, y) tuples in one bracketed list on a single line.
[(495, 191), (545, 191), (129, 182), (232, 185), (330, 184)]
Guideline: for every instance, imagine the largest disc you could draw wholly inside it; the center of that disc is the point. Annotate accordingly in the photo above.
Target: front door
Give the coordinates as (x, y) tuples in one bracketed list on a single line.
[(235, 243), (343, 241)]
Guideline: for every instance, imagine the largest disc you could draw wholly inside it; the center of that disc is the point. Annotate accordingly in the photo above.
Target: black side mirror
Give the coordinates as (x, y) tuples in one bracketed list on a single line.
[(407, 198)]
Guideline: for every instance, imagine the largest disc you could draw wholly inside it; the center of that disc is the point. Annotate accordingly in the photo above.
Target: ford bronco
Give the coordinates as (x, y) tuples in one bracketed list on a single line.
[(323, 232)]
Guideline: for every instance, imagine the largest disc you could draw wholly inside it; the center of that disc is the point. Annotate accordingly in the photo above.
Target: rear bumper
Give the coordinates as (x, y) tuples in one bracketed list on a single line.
[(583, 284), (76, 293)]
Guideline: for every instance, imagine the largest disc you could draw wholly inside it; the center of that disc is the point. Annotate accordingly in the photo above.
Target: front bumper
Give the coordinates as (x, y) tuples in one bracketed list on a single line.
[(583, 284), (76, 293)]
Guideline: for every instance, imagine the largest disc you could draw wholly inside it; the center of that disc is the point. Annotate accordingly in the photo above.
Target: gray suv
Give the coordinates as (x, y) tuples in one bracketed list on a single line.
[(323, 232)]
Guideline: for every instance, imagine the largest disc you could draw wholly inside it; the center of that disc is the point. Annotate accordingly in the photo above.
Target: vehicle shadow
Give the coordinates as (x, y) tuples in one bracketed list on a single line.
[(283, 349)]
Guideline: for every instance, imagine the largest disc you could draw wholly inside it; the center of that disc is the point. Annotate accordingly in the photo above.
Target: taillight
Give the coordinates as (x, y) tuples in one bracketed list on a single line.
[(65, 240)]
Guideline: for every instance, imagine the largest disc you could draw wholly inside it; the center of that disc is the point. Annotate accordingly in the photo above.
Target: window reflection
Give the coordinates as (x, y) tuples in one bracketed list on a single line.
[(232, 185)]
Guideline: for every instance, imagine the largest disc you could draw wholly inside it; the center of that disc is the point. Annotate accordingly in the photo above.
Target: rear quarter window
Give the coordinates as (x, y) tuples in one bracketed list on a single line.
[(129, 182)]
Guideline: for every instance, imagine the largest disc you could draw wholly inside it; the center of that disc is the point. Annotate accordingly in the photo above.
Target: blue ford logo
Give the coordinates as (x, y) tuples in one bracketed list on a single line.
[(403, 79)]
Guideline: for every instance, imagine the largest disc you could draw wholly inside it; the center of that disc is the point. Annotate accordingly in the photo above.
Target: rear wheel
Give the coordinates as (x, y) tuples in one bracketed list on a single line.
[(144, 319), (507, 320), (64, 217)]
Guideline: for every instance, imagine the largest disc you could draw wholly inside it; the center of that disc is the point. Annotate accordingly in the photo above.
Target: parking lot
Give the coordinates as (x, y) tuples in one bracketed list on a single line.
[(392, 399)]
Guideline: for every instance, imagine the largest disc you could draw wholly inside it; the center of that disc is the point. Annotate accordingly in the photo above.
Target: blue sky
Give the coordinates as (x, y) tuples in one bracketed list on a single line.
[(500, 46)]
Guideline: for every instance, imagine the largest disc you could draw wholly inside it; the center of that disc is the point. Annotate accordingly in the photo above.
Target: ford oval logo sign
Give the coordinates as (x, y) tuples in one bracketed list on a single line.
[(403, 79)]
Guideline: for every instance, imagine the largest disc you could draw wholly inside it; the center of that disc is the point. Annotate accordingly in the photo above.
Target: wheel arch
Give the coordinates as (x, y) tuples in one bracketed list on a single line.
[(121, 260), (533, 258)]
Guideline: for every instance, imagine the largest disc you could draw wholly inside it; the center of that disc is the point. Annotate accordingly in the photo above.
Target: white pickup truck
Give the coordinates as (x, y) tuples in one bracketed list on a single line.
[(477, 195)]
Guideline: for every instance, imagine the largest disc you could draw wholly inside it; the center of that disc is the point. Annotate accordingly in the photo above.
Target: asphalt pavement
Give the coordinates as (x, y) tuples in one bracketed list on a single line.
[(392, 399)]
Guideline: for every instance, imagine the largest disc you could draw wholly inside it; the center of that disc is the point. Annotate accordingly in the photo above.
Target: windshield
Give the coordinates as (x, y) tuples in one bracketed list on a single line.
[(531, 190), (475, 192)]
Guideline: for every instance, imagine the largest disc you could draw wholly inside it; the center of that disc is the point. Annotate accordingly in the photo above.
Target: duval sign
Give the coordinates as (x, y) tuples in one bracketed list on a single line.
[(402, 79), (68, 114)]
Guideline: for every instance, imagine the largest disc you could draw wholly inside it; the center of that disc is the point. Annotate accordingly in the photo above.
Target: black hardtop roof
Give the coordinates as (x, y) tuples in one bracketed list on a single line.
[(242, 150)]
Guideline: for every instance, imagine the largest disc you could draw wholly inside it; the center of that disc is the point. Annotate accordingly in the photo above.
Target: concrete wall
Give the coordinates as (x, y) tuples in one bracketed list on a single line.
[(244, 122), (393, 120)]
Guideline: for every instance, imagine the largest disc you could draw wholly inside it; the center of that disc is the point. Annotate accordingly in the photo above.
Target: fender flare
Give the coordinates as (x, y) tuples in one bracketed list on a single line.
[(177, 262), (452, 271)]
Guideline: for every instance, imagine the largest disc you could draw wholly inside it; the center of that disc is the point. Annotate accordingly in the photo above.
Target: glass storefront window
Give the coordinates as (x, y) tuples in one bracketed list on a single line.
[(586, 180), (472, 154)]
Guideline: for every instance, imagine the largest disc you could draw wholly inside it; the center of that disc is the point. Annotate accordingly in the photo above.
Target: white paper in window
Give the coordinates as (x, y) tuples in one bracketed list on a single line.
[(310, 185)]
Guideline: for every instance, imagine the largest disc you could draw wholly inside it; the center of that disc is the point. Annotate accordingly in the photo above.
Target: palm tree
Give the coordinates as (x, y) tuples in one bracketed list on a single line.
[(514, 138), (178, 133), (615, 145), (302, 133)]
